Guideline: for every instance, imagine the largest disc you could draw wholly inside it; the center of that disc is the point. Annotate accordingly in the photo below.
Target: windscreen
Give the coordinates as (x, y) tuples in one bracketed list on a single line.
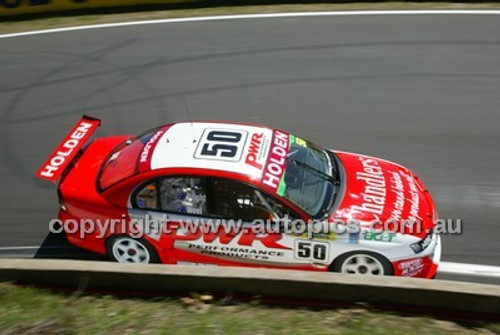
[(308, 180)]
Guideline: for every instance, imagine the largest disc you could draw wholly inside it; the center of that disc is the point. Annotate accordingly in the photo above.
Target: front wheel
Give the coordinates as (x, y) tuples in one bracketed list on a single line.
[(363, 263), (124, 249)]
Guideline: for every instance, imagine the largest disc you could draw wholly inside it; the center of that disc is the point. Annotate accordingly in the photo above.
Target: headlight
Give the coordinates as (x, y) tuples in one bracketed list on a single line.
[(422, 244)]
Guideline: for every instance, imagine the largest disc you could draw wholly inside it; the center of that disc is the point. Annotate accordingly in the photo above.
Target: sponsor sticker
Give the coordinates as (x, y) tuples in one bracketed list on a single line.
[(236, 252), (411, 267), (275, 168), (353, 238), (147, 151), (221, 236), (378, 237)]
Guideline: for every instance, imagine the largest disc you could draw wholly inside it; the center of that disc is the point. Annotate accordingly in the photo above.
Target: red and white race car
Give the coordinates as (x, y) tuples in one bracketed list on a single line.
[(227, 194)]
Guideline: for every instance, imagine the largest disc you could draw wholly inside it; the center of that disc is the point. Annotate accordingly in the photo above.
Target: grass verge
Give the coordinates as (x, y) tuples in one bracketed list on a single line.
[(27, 310), (19, 24)]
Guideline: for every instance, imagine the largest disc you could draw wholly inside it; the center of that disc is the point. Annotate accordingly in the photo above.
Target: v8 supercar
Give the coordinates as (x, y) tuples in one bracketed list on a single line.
[(227, 194)]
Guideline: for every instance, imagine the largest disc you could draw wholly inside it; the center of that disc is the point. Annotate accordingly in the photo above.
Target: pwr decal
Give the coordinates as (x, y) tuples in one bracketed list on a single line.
[(246, 238), (253, 151)]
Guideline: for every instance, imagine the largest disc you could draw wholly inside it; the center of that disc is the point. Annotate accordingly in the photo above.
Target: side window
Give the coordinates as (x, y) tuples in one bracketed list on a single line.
[(235, 200), (214, 197), (186, 195), (279, 209), (147, 197)]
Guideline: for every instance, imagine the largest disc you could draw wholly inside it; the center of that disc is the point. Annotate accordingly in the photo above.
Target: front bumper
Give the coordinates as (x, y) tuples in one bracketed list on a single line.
[(423, 266), (436, 258)]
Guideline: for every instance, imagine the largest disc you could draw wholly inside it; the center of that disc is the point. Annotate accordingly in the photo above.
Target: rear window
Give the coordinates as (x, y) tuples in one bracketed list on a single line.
[(122, 162)]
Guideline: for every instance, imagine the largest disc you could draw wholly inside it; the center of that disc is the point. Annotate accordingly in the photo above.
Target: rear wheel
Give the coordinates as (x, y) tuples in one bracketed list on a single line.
[(363, 263), (125, 249)]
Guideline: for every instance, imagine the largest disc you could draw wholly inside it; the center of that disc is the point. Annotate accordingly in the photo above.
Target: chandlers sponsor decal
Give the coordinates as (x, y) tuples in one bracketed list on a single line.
[(399, 199), (66, 151), (414, 199), (374, 192), (240, 252), (275, 167)]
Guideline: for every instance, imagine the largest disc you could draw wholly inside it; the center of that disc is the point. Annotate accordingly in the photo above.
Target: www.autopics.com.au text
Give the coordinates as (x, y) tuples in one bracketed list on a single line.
[(155, 226)]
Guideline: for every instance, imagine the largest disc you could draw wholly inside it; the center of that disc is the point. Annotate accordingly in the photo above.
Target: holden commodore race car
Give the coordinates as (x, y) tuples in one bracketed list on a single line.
[(210, 184)]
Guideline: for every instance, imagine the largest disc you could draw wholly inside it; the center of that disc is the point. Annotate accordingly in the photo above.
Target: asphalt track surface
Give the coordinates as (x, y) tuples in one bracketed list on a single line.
[(421, 90)]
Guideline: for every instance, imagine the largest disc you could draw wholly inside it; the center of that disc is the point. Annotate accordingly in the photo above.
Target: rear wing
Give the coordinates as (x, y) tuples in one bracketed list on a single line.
[(59, 160)]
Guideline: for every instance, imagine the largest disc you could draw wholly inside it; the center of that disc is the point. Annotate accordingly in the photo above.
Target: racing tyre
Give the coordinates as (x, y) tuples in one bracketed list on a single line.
[(362, 263), (125, 249)]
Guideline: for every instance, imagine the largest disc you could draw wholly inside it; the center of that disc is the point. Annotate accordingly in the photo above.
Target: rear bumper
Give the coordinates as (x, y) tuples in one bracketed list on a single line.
[(75, 236), (82, 201)]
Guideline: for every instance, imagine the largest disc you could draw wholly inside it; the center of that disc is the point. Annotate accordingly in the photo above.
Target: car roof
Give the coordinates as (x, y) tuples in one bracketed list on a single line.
[(227, 147)]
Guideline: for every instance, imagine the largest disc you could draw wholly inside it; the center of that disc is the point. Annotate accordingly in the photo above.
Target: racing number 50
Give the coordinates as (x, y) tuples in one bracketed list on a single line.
[(221, 144), (311, 250)]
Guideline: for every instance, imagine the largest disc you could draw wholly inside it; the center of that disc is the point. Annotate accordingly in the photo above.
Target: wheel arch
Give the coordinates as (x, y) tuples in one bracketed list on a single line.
[(334, 266), (154, 253)]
